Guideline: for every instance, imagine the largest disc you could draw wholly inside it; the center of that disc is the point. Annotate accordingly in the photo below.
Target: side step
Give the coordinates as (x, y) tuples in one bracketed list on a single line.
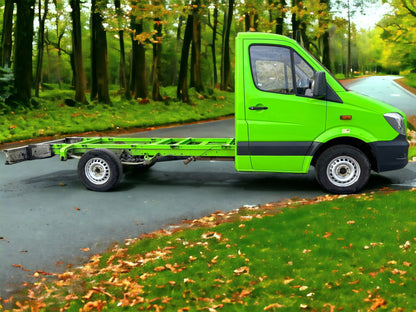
[(35, 151)]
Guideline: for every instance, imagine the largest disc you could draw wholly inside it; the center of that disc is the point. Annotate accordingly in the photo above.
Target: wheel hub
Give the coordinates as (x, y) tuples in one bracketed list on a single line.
[(343, 171), (97, 170)]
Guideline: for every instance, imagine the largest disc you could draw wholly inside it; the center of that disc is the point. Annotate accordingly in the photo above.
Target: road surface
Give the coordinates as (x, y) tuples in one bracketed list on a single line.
[(47, 216)]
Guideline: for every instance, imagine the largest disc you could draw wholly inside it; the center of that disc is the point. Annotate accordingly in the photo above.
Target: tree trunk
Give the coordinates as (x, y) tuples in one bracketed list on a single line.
[(196, 77), (251, 21), (6, 37), (138, 73), (348, 71), (182, 89), (23, 50), (295, 23), (41, 44), (123, 79), (280, 17), (79, 78), (157, 52), (214, 39), (323, 24), (225, 60), (99, 89)]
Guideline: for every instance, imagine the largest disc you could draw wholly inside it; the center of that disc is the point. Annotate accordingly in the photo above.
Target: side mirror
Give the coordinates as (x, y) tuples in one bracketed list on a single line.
[(319, 85)]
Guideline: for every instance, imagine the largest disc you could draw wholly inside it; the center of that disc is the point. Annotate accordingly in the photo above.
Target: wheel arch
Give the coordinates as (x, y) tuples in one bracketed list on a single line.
[(361, 145)]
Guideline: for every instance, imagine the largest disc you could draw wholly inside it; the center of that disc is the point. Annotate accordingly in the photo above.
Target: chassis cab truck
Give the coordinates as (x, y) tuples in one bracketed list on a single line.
[(290, 114)]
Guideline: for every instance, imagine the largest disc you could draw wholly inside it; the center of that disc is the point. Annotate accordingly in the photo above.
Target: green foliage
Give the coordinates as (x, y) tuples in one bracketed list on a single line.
[(6, 84)]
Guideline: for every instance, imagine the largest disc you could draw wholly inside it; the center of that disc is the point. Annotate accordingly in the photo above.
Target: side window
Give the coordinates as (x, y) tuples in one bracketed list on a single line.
[(304, 74), (271, 68)]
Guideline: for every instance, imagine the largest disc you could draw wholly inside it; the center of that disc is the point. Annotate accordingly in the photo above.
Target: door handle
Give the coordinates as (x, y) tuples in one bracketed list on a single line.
[(258, 108)]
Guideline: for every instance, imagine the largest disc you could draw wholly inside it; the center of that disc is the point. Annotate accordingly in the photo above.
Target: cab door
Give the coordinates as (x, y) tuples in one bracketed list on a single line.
[(283, 118)]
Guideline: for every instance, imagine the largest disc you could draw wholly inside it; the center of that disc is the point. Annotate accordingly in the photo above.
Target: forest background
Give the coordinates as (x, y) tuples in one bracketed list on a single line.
[(74, 53)]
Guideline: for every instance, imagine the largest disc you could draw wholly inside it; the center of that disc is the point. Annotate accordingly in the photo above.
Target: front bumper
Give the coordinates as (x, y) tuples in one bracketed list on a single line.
[(391, 155)]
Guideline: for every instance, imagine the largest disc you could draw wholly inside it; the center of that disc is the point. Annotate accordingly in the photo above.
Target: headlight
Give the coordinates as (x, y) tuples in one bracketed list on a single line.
[(396, 121)]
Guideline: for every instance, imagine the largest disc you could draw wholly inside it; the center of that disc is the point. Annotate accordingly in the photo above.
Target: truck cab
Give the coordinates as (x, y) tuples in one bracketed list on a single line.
[(291, 114)]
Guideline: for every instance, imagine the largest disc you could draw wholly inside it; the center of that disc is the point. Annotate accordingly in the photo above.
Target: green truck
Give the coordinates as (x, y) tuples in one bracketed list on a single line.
[(290, 114)]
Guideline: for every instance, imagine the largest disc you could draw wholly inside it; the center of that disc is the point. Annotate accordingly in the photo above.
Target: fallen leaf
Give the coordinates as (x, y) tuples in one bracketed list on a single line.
[(327, 234), (273, 306), (71, 297), (159, 269), (397, 271), (287, 280), (377, 303), (188, 280), (77, 209), (408, 264), (244, 293), (242, 270), (93, 305), (331, 307), (211, 235), (354, 282), (85, 249), (20, 267), (351, 222)]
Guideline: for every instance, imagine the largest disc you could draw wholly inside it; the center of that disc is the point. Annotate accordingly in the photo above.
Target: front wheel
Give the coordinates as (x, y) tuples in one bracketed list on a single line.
[(100, 170), (342, 169)]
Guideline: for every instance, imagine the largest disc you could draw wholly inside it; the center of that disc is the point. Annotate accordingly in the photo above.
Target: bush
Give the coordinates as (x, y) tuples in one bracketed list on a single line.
[(6, 85)]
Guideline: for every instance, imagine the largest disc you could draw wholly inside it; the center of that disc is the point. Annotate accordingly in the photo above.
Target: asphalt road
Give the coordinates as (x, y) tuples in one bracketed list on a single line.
[(47, 216)]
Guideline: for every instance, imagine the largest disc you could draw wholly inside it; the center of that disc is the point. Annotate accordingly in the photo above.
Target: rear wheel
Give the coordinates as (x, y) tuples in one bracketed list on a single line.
[(100, 170), (342, 169)]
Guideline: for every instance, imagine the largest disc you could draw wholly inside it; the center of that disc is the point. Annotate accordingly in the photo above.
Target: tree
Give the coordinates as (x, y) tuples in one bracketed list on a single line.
[(138, 85), (41, 43), (398, 34), (352, 6), (23, 50), (324, 20), (225, 60), (99, 73), (410, 6), (159, 12), (196, 78), (279, 7), (214, 26), (79, 78), (123, 78), (182, 88), (6, 37)]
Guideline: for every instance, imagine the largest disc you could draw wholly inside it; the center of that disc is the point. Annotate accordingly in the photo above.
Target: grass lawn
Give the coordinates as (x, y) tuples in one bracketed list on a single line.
[(335, 253), (54, 118)]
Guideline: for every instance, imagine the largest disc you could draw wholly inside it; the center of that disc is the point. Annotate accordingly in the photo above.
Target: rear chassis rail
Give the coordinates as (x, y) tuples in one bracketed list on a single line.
[(131, 151)]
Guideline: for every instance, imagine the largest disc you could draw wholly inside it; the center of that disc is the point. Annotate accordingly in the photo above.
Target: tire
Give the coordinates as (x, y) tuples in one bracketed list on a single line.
[(342, 169), (100, 170)]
